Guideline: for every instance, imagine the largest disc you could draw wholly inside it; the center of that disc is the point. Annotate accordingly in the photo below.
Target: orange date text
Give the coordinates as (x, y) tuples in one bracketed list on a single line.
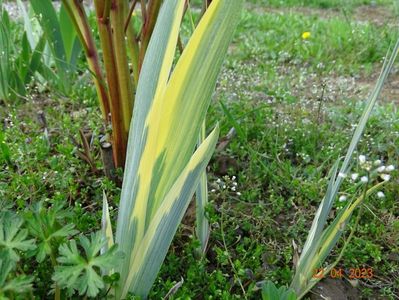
[(351, 273)]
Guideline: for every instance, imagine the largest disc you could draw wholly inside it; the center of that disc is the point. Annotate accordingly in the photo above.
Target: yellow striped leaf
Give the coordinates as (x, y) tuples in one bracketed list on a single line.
[(161, 172), (155, 243)]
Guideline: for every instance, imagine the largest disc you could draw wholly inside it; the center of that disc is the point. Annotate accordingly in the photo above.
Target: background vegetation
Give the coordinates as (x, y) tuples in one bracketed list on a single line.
[(293, 102)]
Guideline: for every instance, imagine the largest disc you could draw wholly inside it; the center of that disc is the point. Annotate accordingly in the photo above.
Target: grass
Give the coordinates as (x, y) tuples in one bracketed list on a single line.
[(325, 4), (292, 102)]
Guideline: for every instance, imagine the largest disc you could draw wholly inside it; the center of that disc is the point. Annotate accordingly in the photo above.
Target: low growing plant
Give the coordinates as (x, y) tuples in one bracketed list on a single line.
[(41, 234)]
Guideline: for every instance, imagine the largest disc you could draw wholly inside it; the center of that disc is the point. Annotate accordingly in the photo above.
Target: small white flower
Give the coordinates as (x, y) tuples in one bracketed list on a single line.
[(213, 190), (381, 169), (354, 176), (380, 195), (218, 180), (364, 179), (377, 162), (233, 188), (224, 186), (342, 198), (233, 178), (342, 175), (235, 183), (238, 194), (362, 159), (385, 177), (390, 168)]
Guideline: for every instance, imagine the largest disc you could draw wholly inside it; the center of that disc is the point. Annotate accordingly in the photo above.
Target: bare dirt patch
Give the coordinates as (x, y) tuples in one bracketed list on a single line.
[(308, 11), (378, 15), (390, 91), (337, 289)]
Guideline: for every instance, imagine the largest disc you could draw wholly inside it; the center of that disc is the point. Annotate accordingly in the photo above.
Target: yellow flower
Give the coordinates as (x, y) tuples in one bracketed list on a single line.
[(306, 35)]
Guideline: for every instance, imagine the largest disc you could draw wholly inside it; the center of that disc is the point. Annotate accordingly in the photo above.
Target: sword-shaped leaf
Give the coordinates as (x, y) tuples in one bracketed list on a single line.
[(106, 226), (167, 118), (153, 247)]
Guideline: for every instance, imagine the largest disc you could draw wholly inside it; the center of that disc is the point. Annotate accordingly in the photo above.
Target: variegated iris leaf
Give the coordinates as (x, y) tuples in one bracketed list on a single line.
[(161, 172)]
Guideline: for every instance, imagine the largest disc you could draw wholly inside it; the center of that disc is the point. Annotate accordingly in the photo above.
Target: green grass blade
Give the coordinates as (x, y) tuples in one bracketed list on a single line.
[(24, 57), (70, 39), (36, 59), (30, 30), (201, 196), (106, 226), (4, 56), (48, 19)]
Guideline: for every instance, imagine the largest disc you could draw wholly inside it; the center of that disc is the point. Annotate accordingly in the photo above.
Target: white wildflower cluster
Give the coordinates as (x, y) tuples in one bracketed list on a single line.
[(305, 157), (226, 183), (380, 195), (369, 171), (374, 168)]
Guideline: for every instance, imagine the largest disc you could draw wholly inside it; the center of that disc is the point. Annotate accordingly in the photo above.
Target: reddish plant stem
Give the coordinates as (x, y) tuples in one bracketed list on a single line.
[(80, 21), (124, 83), (143, 11), (129, 16), (148, 27), (119, 139)]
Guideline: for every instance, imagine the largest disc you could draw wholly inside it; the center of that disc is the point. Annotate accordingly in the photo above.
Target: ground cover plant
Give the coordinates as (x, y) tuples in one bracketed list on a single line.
[(293, 90)]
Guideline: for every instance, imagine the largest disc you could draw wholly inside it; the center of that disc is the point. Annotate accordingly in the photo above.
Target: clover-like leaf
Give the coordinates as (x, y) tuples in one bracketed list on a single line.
[(18, 285), (271, 292), (80, 270), (12, 236), (45, 224)]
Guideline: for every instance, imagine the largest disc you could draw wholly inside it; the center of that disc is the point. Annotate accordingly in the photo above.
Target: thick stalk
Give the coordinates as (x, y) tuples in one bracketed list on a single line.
[(119, 137), (148, 27), (143, 10), (57, 292), (80, 21), (118, 17)]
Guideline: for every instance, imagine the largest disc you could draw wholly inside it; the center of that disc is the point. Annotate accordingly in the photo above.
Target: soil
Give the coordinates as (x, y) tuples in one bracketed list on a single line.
[(334, 289)]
